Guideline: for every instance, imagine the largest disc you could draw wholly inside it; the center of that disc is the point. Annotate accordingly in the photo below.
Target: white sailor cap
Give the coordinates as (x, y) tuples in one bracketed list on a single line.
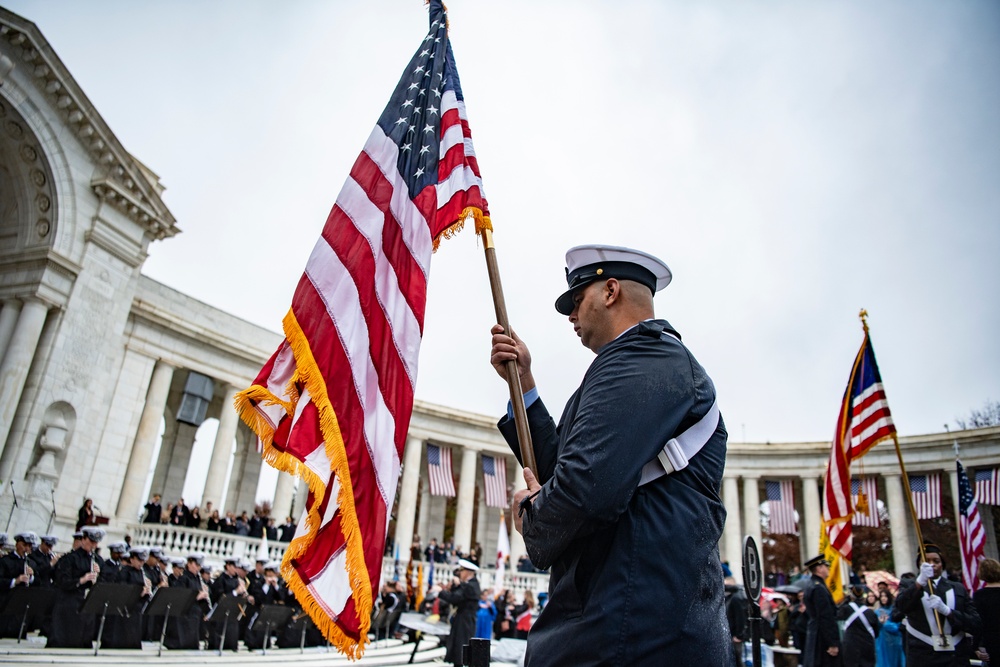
[(142, 553), (178, 562), (587, 263), (272, 565), (232, 560), (93, 533), (118, 547), (467, 565), (197, 558), (28, 537), (50, 540), (156, 552), (263, 559)]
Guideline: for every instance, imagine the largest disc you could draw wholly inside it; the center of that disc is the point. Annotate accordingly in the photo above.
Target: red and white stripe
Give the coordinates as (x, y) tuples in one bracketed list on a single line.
[(870, 518), (440, 474), (971, 533), (928, 503), (496, 483), (871, 421), (988, 490), (781, 513)]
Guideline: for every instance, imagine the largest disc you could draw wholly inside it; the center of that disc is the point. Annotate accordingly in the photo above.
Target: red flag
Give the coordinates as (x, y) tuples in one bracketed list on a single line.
[(333, 403)]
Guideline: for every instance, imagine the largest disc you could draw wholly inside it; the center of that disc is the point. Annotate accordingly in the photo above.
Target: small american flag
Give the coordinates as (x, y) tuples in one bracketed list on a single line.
[(781, 505), (495, 479), (971, 534), (870, 487), (926, 490), (439, 471), (988, 486)]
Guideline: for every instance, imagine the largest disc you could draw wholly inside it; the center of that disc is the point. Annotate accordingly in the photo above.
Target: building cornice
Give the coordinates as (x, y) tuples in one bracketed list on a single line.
[(122, 181)]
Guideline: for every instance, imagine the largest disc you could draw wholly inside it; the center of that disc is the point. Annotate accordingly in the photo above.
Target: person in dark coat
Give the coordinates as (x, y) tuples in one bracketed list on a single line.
[(861, 628), (822, 635), (229, 583), (42, 560), (463, 595), (178, 515), (184, 631), (265, 591), (75, 574), (154, 510), (15, 571), (126, 631), (959, 617), (601, 506), (113, 564), (286, 531)]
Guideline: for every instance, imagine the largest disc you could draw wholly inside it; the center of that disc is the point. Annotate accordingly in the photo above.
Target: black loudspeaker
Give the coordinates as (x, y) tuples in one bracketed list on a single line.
[(197, 395)]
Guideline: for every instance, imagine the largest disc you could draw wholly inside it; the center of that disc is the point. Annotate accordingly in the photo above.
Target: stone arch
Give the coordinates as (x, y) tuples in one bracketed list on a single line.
[(28, 201)]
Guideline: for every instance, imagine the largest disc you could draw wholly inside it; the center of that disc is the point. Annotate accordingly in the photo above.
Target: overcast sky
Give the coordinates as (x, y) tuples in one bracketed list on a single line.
[(792, 162)]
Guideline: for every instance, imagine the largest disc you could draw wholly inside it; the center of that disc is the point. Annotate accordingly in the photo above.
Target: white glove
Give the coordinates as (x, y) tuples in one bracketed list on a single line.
[(926, 574), (937, 604)]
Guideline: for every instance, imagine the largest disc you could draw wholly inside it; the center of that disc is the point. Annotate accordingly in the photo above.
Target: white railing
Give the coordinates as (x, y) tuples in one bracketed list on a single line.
[(178, 542)]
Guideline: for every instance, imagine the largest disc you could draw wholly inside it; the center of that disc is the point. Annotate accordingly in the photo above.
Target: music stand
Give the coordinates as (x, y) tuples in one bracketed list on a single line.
[(165, 600), (29, 603), (228, 605), (117, 598), (272, 616)]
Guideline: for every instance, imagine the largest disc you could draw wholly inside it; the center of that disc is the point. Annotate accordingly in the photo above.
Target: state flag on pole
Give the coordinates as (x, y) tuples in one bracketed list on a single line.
[(926, 490), (870, 488), (495, 480), (863, 422), (439, 471), (988, 486), (503, 551), (971, 534), (333, 404), (781, 507)]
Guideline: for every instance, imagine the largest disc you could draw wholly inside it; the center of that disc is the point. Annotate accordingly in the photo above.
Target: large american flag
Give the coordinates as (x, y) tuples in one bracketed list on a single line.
[(495, 480), (926, 491), (863, 422), (988, 486), (971, 534), (439, 471), (333, 403), (870, 488), (781, 507)]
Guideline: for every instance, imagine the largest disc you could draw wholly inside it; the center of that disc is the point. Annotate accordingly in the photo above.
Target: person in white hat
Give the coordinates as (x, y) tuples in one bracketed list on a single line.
[(463, 595), (624, 506), (75, 574)]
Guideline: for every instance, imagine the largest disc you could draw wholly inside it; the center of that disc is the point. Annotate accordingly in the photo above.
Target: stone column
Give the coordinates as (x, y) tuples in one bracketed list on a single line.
[(180, 462), (732, 540), (15, 365), (424, 515), (222, 450), (236, 476), (751, 513), (517, 548), (953, 478), (466, 500), (130, 500), (406, 509), (301, 498), (249, 481), (8, 318), (811, 517), (281, 505), (899, 524)]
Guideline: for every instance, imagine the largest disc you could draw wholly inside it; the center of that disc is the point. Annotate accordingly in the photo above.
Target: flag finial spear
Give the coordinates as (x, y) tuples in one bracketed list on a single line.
[(864, 319)]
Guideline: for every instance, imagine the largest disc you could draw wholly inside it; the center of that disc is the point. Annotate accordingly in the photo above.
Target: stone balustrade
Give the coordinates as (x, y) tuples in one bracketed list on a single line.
[(178, 542)]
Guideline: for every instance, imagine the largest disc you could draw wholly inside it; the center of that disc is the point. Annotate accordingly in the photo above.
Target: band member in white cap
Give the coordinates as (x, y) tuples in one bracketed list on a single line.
[(75, 574), (463, 595), (624, 506), (16, 570)]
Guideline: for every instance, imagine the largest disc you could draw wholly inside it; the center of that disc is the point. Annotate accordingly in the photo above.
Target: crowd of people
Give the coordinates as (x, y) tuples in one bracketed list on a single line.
[(256, 524), (32, 562), (885, 626)]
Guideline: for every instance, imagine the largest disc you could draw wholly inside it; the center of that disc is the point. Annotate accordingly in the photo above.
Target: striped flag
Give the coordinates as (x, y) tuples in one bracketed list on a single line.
[(781, 507), (439, 471), (863, 422), (870, 487), (988, 486), (926, 490), (333, 404), (495, 480), (971, 534)]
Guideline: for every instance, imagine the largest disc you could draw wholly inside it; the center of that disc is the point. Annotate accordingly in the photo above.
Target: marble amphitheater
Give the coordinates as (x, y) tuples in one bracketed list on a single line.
[(98, 362)]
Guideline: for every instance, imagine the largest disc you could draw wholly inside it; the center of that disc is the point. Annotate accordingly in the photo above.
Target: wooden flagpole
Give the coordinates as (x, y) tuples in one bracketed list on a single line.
[(513, 379), (909, 499)]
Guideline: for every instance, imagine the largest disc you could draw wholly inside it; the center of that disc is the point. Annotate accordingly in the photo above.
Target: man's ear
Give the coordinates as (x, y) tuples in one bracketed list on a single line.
[(612, 291)]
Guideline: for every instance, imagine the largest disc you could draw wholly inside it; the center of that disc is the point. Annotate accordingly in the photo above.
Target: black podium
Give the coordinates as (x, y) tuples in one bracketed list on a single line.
[(28, 603), (228, 609), (167, 601), (270, 616), (114, 598)]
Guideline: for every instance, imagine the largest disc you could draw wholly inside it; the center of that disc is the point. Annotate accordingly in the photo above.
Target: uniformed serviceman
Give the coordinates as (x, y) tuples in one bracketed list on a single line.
[(125, 631), (43, 559), (633, 467), (822, 634), (227, 584), (463, 594), (113, 564), (861, 628), (959, 617), (15, 571), (184, 630), (75, 574)]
